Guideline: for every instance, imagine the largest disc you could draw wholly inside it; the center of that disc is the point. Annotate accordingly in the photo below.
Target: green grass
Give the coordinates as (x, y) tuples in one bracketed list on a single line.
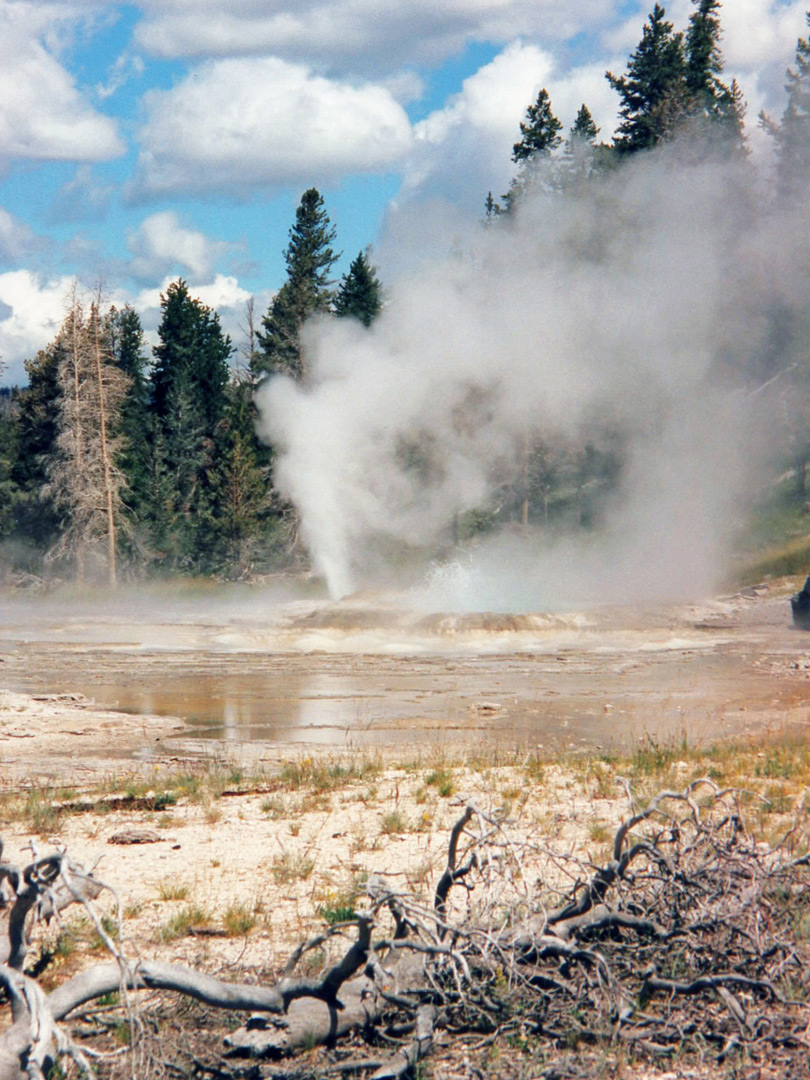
[(171, 888), (775, 540), (183, 922), (289, 867), (392, 824), (322, 775), (239, 919), (442, 779)]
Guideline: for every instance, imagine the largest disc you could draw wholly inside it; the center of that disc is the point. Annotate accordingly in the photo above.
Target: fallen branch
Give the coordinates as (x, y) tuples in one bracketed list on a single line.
[(685, 936)]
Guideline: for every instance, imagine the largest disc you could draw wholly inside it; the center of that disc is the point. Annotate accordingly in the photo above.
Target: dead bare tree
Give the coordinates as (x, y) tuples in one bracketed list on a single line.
[(687, 939), (84, 482)]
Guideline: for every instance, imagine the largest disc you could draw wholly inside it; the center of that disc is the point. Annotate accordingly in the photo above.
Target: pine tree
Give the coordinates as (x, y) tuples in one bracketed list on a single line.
[(9, 444), (582, 157), (192, 349), (36, 517), (135, 425), (492, 209), (189, 382), (360, 292), (792, 134), (712, 105), (540, 131), (307, 291), (704, 61), (584, 129), (241, 494), (655, 100)]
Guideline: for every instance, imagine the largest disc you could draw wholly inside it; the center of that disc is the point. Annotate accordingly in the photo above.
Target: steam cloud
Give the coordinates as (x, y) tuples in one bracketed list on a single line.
[(640, 306)]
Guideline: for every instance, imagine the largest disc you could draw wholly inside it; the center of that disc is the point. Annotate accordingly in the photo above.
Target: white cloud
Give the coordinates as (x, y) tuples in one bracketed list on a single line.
[(125, 67), (16, 239), (759, 43), (464, 150), (361, 35), (81, 198), (162, 245), (37, 309), (33, 307), (237, 124), (43, 115)]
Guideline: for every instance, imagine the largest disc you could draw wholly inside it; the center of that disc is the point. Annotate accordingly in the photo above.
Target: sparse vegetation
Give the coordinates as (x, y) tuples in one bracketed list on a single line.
[(171, 888), (292, 866), (239, 918), (392, 824), (442, 779), (184, 922)]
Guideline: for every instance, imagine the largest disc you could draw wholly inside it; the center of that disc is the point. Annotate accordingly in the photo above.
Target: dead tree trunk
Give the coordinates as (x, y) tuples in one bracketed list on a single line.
[(104, 448)]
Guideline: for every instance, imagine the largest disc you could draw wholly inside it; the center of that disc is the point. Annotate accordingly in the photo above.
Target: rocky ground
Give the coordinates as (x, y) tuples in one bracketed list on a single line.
[(225, 852)]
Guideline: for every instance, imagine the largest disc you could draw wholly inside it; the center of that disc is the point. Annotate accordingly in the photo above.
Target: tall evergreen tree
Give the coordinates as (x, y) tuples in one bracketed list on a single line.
[(540, 137), (582, 157), (189, 400), (241, 492), (584, 129), (9, 442), (191, 349), (360, 292), (792, 134), (492, 208), (711, 101), (540, 131), (306, 292), (654, 98), (704, 60), (36, 517), (135, 424)]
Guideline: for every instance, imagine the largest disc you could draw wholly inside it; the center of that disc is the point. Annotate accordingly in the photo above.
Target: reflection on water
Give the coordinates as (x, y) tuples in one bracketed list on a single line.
[(556, 699), (319, 707), (352, 673)]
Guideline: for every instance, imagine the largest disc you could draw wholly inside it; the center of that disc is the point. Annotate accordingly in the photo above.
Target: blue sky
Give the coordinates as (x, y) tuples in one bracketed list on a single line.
[(145, 141)]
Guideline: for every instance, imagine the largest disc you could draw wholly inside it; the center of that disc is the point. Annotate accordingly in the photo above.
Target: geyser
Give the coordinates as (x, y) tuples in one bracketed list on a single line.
[(635, 310)]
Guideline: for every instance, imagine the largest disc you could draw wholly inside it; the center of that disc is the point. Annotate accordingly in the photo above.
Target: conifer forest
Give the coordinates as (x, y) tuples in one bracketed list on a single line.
[(120, 461)]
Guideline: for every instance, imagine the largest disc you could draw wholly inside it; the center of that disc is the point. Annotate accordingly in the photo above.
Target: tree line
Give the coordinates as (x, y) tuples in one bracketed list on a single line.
[(114, 462), (111, 461), (672, 92)]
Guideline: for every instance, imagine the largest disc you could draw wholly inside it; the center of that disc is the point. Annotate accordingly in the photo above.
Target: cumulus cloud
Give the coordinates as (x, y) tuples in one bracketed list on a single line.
[(43, 114), (81, 198), (464, 149), (359, 35), (162, 245), (16, 239), (33, 309), (237, 124)]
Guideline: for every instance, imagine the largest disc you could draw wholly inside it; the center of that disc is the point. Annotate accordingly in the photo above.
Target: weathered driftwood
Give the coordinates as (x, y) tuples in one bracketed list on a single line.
[(684, 936)]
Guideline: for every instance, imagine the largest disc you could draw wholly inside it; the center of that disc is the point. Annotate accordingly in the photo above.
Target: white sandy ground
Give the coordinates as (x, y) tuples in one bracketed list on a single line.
[(281, 854), (285, 854)]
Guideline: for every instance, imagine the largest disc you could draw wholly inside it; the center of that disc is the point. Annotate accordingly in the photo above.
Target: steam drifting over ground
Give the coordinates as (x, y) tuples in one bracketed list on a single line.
[(636, 313)]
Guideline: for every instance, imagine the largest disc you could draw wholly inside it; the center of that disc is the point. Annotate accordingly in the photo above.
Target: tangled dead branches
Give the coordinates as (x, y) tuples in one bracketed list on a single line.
[(689, 939)]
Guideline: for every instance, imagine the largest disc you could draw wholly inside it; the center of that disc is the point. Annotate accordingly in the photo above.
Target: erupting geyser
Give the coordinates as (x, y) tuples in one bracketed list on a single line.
[(631, 315)]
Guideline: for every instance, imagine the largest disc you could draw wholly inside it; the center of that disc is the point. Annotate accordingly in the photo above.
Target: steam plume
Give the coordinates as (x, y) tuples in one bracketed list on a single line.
[(638, 307)]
